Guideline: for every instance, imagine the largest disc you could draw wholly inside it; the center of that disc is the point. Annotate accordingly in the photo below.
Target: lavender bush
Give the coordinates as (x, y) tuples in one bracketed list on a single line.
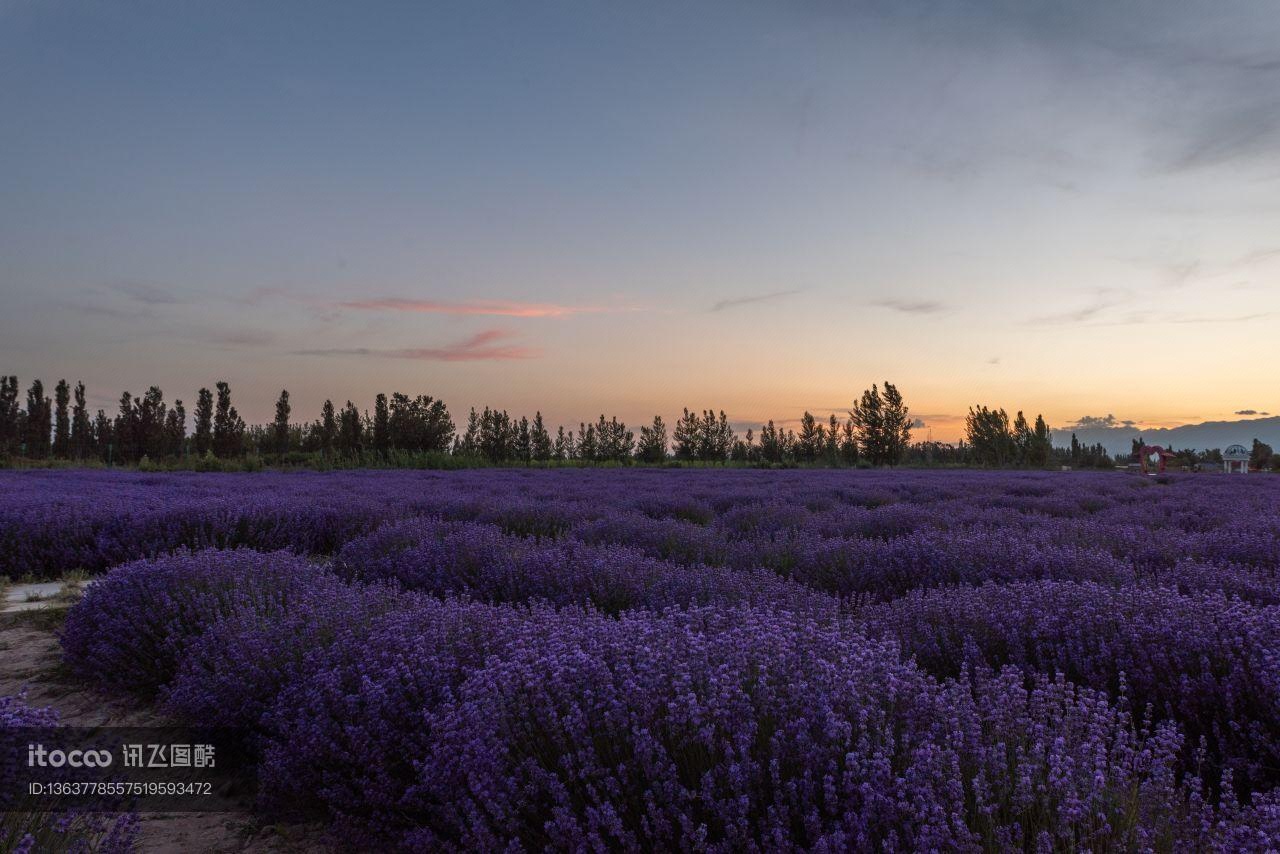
[(1209, 662), (736, 729), (449, 558), (131, 629)]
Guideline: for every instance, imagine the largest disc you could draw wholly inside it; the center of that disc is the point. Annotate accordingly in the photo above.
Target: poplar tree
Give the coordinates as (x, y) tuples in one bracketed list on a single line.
[(882, 425), (848, 443), (81, 429), (124, 430), (10, 432), (62, 420), (561, 448), (381, 424), (328, 427), (203, 435), (989, 435), (686, 436), (896, 425), (1041, 443), (652, 447), (832, 449), (350, 430), (228, 426), (104, 436), (540, 439), (39, 426), (1022, 439), (809, 440), (150, 419), (771, 446), (280, 426), (175, 429), (523, 450), (586, 442)]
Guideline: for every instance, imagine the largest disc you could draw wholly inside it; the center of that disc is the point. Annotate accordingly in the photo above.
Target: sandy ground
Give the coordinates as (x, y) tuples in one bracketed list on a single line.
[(30, 661)]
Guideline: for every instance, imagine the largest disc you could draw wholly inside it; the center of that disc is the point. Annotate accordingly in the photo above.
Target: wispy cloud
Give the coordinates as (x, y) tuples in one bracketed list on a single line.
[(489, 345), (1086, 313), (1241, 130), (147, 293), (1117, 307), (1181, 273), (1251, 412), (500, 308), (736, 302), (912, 306), (241, 338), (99, 309)]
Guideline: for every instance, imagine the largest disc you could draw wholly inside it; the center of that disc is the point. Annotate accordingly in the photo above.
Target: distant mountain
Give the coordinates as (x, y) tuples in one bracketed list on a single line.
[(1210, 434)]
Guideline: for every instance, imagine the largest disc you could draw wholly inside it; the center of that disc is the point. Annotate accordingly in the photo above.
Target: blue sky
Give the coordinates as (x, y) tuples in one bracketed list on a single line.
[(765, 207)]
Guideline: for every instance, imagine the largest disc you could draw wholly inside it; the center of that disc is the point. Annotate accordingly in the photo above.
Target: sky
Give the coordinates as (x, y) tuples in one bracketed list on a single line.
[(760, 207)]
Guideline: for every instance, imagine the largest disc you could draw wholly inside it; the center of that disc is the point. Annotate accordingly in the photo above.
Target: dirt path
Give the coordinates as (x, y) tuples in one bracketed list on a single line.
[(31, 661)]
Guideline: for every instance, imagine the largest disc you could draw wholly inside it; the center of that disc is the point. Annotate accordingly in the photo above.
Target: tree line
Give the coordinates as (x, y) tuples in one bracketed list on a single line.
[(877, 431), (1261, 456)]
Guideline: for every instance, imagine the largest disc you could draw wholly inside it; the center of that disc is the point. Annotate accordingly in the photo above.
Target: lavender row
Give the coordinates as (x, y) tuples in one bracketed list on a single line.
[(480, 561), (1209, 662), (422, 723), (825, 527)]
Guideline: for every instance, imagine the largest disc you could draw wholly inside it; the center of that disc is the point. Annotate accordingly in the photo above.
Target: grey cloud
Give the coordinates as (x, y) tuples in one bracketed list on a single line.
[(1251, 412), (735, 302), (487, 345), (146, 293), (1086, 422), (242, 338), (912, 306)]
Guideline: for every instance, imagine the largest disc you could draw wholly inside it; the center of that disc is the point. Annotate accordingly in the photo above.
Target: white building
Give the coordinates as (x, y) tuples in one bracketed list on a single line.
[(1235, 459)]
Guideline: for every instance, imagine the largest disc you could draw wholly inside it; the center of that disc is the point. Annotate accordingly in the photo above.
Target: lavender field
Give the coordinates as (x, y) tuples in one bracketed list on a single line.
[(697, 660)]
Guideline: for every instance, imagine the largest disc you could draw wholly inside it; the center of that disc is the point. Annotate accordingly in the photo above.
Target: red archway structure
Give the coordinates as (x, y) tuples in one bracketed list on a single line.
[(1154, 456)]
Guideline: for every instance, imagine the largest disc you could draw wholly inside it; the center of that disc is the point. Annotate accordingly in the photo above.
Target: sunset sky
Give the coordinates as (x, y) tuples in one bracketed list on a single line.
[(1067, 208)]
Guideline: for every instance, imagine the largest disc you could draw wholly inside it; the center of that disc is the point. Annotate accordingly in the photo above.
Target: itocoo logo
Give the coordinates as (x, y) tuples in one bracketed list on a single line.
[(39, 757)]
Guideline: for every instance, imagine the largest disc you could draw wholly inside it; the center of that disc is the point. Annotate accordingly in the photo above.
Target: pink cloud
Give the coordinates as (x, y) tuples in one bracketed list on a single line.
[(487, 345), (503, 308)]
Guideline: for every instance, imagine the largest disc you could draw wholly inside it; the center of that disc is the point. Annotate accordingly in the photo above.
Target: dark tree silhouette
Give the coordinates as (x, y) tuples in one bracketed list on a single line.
[(280, 426), (202, 438), (328, 428), (81, 428), (381, 425), (10, 417), (540, 439), (652, 447), (228, 426), (39, 422), (62, 420)]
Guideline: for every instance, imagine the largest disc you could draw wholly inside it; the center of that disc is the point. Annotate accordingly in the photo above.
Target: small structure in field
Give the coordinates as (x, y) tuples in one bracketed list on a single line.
[(1154, 458), (1235, 459)]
